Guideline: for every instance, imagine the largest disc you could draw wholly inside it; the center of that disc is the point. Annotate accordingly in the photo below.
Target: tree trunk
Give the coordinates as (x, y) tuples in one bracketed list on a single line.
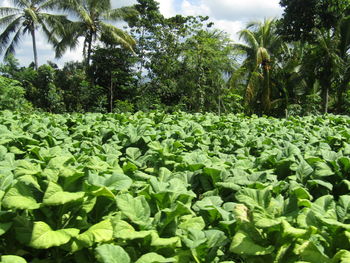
[(89, 49), (111, 96), (325, 98), (142, 57), (219, 100), (32, 31), (266, 93)]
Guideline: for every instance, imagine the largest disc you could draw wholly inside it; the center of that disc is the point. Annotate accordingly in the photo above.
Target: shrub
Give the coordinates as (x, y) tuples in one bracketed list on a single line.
[(12, 96)]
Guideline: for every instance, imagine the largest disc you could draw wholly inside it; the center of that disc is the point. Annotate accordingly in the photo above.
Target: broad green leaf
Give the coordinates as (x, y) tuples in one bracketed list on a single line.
[(117, 182), (242, 244), (215, 238), (343, 208), (4, 227), (109, 253), (289, 231), (194, 238), (124, 230), (25, 167), (188, 222), (101, 191), (133, 153), (6, 181), (303, 170), (342, 256), (154, 258), (164, 242), (41, 236), (59, 162), (309, 252), (302, 193), (12, 259), (254, 198), (55, 195), (100, 232), (136, 209), (30, 180), (325, 184), (20, 196), (322, 170), (208, 203)]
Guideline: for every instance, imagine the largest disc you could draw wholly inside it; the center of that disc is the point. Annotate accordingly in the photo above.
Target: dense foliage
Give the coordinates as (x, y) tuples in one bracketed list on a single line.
[(12, 96), (174, 188), (295, 65)]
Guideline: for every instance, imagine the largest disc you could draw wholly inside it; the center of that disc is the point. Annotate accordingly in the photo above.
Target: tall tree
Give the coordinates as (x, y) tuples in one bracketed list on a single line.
[(143, 26), (26, 17), (260, 47), (302, 19), (93, 24), (112, 69), (207, 60)]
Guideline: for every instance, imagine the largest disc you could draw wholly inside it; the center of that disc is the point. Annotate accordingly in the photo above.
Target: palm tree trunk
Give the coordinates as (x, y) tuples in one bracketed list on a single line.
[(325, 99), (32, 31), (142, 56), (89, 49), (111, 95), (266, 93), (325, 82)]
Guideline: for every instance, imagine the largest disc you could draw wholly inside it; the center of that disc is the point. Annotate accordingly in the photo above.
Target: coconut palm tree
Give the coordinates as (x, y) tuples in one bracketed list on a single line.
[(260, 45), (93, 24), (26, 17)]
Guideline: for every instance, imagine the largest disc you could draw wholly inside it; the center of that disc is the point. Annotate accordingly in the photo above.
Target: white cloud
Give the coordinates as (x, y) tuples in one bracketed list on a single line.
[(120, 3), (190, 9), (243, 10), (167, 7), (232, 15)]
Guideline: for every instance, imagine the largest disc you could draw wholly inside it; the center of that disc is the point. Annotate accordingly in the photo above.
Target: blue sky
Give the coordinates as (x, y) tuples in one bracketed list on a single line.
[(228, 15)]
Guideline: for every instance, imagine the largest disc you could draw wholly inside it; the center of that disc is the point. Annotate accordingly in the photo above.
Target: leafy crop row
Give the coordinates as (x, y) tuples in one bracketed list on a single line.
[(174, 188)]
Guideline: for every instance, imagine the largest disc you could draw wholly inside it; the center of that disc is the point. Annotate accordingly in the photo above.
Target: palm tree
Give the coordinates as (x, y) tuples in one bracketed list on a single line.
[(25, 18), (92, 25), (261, 44), (344, 47)]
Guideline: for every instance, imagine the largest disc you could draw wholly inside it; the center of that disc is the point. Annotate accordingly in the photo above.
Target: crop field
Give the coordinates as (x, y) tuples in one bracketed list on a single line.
[(159, 188)]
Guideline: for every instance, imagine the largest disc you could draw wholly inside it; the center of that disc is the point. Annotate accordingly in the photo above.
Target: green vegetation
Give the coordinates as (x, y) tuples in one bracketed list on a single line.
[(167, 147), (295, 65), (174, 188)]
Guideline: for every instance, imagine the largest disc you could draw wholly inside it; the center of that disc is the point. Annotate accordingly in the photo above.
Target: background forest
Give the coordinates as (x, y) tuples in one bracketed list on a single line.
[(296, 65)]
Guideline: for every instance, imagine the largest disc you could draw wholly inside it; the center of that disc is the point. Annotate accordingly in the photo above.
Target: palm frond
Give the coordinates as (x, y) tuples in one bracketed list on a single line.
[(84, 15), (118, 36), (48, 4), (55, 22), (14, 43), (5, 11), (12, 28), (248, 37), (99, 6), (122, 13), (21, 3), (4, 21), (69, 38)]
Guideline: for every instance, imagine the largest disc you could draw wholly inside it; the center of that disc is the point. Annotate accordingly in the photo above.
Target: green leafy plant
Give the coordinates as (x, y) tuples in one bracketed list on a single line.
[(12, 95), (157, 187)]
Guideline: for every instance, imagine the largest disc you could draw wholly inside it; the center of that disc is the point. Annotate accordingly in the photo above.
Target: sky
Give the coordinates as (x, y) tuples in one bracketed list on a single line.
[(228, 15)]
